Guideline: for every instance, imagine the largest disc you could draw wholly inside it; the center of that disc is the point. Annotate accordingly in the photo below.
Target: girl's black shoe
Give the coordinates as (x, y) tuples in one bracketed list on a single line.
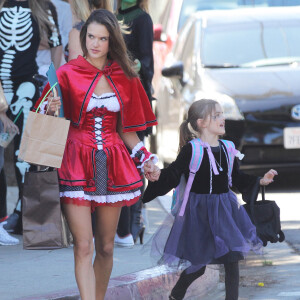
[(140, 235)]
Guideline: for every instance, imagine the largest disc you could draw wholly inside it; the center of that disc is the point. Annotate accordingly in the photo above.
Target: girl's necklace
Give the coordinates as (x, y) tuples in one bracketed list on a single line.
[(220, 165)]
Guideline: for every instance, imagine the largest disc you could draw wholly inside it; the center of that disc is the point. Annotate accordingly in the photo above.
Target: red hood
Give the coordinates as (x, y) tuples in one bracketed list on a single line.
[(78, 79)]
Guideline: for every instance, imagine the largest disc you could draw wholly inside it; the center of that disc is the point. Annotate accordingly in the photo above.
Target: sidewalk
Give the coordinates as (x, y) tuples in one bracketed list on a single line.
[(275, 276), (48, 274)]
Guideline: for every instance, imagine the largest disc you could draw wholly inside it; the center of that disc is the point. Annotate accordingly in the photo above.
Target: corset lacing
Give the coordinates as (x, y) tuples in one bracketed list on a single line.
[(98, 116)]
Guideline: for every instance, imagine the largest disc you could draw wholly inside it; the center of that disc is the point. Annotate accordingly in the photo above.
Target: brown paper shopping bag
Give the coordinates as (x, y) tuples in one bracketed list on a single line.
[(44, 139), (44, 226)]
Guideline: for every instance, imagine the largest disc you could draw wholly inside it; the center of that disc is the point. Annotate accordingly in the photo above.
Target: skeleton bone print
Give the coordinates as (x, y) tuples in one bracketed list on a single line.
[(16, 32), (19, 42)]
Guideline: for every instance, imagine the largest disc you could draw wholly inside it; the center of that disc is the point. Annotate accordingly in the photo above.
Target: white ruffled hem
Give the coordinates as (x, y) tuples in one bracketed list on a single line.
[(101, 198)]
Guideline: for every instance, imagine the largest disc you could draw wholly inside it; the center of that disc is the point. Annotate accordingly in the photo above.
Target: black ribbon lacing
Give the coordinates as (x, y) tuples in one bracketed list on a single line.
[(99, 140)]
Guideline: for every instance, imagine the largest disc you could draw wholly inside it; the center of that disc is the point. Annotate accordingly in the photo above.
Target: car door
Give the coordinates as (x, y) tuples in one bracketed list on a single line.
[(174, 94)]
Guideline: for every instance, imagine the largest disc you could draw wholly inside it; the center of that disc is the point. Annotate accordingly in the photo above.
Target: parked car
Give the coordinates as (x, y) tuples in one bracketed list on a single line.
[(176, 13), (249, 61)]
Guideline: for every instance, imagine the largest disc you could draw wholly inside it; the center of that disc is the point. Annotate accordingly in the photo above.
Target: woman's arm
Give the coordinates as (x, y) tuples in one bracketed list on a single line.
[(132, 141), (56, 56), (74, 44)]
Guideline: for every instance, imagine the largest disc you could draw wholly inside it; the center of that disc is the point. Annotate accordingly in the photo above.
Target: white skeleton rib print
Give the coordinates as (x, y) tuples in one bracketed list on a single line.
[(15, 35)]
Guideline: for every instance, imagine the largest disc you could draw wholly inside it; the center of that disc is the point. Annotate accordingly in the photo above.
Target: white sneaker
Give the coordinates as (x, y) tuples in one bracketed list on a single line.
[(126, 241), (5, 238)]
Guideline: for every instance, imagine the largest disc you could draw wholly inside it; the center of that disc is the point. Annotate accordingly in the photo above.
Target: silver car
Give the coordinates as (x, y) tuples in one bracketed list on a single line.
[(248, 60)]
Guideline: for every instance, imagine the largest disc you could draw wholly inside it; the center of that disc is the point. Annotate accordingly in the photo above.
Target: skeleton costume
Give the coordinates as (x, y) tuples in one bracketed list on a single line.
[(20, 38), (97, 168)]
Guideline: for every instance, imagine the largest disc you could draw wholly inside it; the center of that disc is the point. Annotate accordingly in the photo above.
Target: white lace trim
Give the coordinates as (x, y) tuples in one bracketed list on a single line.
[(136, 148), (101, 198), (111, 103)]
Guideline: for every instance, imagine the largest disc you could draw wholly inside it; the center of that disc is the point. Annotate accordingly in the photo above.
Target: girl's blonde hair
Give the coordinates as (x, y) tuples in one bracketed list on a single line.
[(39, 13), (117, 46), (83, 8), (143, 4), (200, 109)]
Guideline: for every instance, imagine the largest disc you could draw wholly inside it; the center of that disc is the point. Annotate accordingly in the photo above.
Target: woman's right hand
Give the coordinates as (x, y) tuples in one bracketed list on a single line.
[(53, 105)]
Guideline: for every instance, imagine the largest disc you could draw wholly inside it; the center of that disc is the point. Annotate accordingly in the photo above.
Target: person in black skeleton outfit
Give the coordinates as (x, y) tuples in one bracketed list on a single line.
[(23, 23)]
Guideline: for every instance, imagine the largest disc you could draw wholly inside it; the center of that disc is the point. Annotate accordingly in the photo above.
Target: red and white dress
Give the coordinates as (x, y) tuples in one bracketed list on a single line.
[(97, 168)]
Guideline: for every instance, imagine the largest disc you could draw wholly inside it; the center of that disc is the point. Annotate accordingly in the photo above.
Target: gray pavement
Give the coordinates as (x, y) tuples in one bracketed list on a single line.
[(24, 273), (27, 274), (49, 274)]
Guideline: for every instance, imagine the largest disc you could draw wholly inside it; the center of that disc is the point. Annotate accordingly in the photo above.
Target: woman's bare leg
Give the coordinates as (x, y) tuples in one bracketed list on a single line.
[(106, 225), (79, 221)]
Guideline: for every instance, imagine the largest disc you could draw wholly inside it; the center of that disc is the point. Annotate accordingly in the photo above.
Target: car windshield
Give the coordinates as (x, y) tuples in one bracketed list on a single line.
[(251, 44), (190, 6)]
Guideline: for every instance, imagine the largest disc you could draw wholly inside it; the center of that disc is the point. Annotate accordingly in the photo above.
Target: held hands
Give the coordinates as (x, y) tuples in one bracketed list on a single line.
[(152, 172), (268, 177)]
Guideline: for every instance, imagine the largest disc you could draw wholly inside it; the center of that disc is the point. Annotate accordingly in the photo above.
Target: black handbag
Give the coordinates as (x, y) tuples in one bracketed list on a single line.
[(265, 215)]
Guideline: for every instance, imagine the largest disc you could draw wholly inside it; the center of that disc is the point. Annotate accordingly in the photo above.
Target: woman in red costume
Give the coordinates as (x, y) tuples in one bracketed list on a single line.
[(106, 104)]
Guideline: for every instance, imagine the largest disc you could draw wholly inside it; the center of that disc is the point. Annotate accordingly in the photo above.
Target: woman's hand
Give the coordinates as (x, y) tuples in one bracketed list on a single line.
[(152, 172), (268, 177), (153, 176), (54, 104), (8, 124)]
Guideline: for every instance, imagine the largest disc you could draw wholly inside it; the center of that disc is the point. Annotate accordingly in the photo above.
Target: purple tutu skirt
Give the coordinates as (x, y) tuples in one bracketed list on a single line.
[(214, 229)]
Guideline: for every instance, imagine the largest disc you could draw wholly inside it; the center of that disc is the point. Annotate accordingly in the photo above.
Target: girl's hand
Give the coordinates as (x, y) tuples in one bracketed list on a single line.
[(153, 176), (268, 177), (149, 166), (8, 124)]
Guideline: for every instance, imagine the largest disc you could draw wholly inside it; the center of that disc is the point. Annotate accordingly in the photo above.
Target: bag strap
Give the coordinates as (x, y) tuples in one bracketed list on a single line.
[(51, 88), (231, 153), (197, 156)]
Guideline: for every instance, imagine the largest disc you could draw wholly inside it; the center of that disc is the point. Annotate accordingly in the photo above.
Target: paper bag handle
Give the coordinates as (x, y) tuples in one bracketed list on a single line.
[(53, 86)]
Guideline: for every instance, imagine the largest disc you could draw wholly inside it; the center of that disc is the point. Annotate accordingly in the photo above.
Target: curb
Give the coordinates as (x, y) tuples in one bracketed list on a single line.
[(154, 283), (149, 284)]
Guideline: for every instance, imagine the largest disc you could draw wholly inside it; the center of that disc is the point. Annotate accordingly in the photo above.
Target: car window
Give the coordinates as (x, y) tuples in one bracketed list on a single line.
[(239, 44), (191, 6)]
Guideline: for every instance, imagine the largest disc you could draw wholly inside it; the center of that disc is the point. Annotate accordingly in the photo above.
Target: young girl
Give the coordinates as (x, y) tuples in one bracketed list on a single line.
[(214, 228)]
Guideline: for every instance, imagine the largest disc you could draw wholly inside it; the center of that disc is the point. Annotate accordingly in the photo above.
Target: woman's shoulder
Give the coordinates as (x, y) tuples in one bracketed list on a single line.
[(78, 25), (144, 18)]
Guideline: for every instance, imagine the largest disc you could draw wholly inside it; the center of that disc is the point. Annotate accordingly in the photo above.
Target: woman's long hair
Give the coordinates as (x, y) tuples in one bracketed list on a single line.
[(83, 8), (117, 47), (39, 13), (143, 4), (200, 109)]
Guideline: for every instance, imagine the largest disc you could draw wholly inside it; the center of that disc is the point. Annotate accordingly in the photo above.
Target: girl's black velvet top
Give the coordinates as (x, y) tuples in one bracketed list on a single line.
[(170, 176)]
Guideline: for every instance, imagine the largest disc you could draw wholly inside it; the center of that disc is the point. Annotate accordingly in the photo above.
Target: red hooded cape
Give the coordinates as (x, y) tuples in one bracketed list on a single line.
[(78, 79)]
